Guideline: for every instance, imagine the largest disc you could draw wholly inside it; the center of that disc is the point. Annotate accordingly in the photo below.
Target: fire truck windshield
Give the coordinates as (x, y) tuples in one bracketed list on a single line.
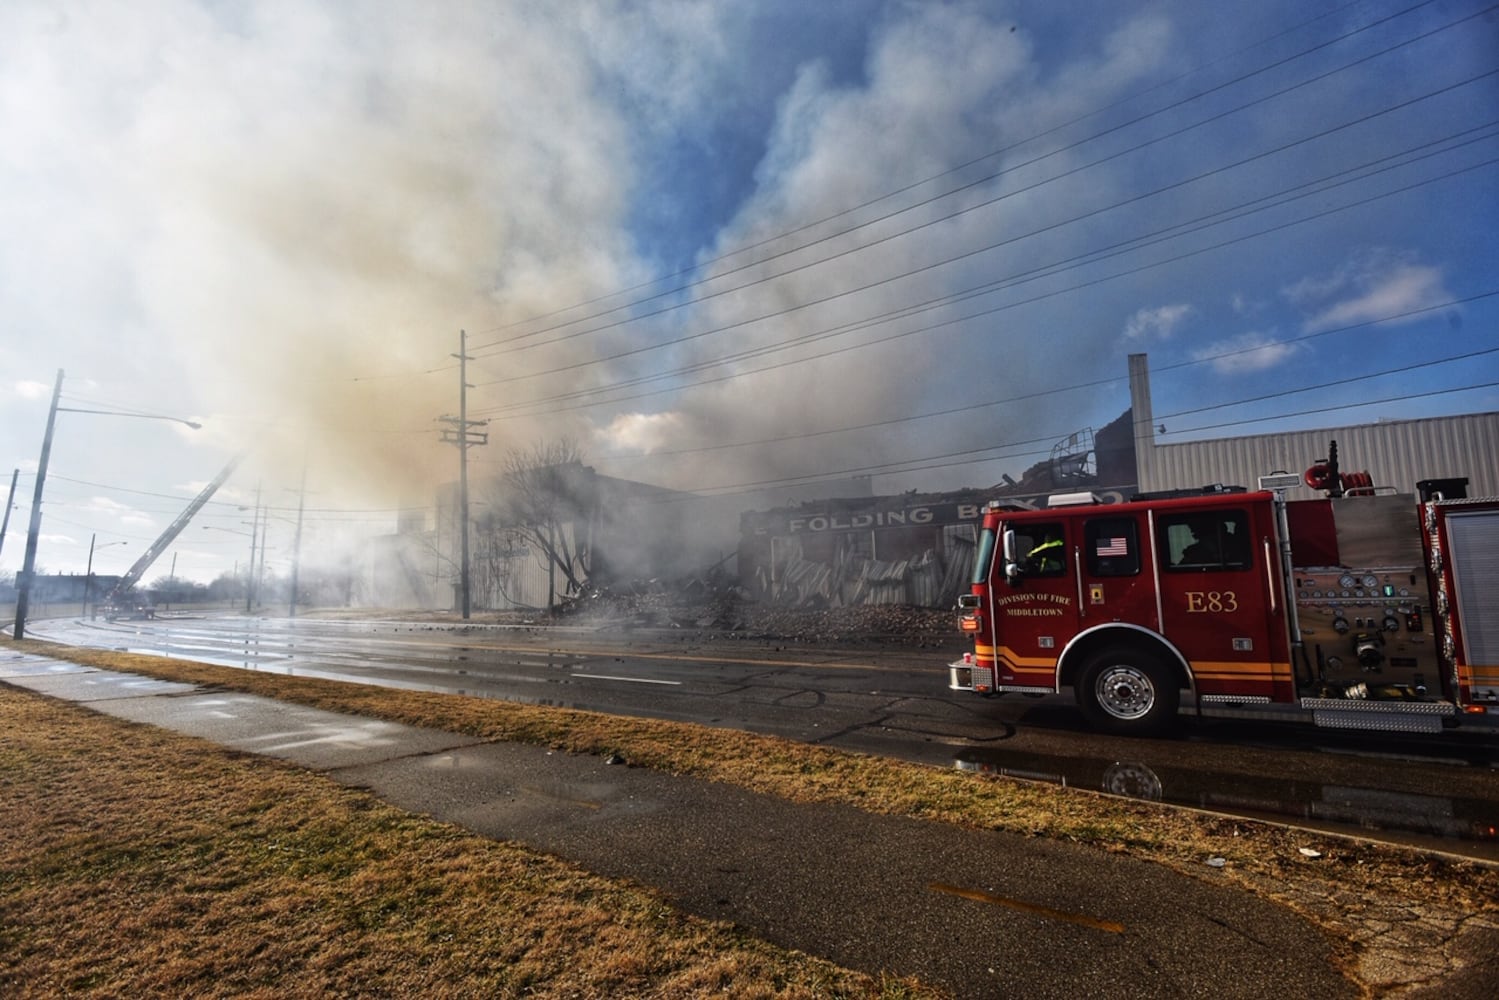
[(984, 556)]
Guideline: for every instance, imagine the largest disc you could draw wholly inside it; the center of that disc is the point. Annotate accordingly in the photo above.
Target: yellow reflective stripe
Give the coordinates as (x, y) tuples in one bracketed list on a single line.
[(1042, 662), (1220, 670), (1202, 669)]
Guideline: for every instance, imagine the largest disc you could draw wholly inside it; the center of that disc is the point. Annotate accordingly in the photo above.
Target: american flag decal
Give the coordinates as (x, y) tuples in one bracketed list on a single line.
[(1113, 547)]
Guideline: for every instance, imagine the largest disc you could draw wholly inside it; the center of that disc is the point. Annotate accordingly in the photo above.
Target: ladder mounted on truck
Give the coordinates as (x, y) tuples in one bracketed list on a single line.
[(134, 573)]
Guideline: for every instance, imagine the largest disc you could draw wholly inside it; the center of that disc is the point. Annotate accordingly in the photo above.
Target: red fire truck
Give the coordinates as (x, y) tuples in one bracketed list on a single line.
[(1362, 609)]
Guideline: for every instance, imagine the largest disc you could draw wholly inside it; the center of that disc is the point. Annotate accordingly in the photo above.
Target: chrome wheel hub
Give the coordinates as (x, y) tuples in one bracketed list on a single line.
[(1125, 692)]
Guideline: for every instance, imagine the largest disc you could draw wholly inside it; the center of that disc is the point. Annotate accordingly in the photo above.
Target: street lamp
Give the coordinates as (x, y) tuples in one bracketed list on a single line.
[(28, 566), (88, 574)]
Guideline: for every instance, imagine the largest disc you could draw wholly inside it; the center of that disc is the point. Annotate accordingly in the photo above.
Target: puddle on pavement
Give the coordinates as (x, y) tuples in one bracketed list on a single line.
[(1429, 820)]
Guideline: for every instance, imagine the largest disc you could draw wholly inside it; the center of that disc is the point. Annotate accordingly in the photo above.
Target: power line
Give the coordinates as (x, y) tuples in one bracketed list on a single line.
[(1342, 406), (1144, 267), (1244, 210), (1333, 384), (1026, 189), (951, 459), (889, 195), (823, 300), (984, 180), (1093, 384), (231, 503)]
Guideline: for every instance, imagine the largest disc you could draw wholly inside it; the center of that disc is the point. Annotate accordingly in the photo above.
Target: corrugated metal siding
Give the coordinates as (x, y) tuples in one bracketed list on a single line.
[(1396, 453), (527, 579), (932, 579)]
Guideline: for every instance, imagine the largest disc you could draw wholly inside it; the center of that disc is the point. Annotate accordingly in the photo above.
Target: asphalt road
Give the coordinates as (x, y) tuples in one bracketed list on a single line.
[(1438, 793)]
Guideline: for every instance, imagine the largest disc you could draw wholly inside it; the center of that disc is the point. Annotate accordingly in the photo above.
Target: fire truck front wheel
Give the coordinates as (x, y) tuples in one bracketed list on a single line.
[(1128, 692)]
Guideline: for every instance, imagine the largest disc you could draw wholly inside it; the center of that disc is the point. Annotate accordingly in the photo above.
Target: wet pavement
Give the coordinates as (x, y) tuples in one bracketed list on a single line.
[(1429, 792), (979, 913), (1436, 818)]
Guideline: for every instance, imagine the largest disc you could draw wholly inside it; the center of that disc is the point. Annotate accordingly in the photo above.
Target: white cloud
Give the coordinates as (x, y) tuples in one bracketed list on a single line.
[(1245, 354), (33, 390), (1375, 286), (1159, 323)]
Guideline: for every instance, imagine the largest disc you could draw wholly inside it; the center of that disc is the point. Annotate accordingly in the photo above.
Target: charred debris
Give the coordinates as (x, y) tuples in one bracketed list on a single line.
[(715, 606)]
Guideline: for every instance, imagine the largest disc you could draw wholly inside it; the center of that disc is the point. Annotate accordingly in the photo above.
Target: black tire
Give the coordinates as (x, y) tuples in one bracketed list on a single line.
[(1129, 693)]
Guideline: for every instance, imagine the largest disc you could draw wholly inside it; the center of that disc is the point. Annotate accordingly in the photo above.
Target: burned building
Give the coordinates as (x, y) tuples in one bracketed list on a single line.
[(908, 549), (914, 549), (577, 530)]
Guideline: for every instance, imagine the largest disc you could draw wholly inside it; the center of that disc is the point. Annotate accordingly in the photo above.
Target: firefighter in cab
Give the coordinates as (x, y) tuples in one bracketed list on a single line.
[(1046, 557)]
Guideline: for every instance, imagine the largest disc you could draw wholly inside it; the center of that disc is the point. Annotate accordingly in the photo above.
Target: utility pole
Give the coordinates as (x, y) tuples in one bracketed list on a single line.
[(265, 538), (88, 577), (464, 439), (28, 566), (250, 572), (296, 547)]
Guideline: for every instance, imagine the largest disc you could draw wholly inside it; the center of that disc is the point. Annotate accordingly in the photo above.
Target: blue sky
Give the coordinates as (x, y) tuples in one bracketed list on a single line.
[(716, 244)]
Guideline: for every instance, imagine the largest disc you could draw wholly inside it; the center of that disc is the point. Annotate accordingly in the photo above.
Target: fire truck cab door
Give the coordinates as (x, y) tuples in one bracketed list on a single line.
[(1035, 601), (1219, 600)]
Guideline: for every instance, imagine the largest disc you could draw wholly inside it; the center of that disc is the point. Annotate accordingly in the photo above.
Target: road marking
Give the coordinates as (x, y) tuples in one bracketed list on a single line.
[(632, 680), (479, 644), (593, 654), (1024, 907)]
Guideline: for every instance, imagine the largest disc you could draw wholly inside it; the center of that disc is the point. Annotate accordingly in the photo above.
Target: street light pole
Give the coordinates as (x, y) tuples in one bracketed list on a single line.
[(88, 578), (28, 566), (88, 574)]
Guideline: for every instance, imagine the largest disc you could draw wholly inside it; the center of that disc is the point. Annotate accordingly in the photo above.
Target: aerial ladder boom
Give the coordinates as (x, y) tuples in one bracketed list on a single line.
[(134, 573)]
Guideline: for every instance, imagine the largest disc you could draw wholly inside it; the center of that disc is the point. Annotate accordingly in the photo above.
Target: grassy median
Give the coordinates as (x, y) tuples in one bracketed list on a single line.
[(184, 868)]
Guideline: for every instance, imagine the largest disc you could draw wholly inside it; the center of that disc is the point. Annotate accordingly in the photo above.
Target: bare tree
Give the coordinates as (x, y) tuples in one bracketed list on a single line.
[(545, 499)]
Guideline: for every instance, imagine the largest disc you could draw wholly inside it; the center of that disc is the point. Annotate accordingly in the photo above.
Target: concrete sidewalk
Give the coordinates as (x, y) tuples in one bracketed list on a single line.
[(979, 913)]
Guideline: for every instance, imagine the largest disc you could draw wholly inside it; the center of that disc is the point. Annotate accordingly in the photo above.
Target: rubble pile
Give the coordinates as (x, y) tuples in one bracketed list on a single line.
[(884, 624), (721, 611)]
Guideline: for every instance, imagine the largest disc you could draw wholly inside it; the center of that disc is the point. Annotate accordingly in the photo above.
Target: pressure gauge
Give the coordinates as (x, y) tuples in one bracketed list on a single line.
[(1346, 581), (1371, 581)]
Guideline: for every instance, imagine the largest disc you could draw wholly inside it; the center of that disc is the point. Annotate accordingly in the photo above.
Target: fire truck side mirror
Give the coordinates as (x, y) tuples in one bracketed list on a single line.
[(1011, 557)]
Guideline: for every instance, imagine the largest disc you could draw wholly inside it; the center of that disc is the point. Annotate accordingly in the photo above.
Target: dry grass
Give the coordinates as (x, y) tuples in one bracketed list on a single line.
[(1343, 889), (136, 861)]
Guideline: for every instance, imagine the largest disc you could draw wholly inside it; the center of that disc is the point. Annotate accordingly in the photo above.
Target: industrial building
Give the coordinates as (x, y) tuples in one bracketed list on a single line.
[(1397, 454), (833, 544), (915, 549)]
